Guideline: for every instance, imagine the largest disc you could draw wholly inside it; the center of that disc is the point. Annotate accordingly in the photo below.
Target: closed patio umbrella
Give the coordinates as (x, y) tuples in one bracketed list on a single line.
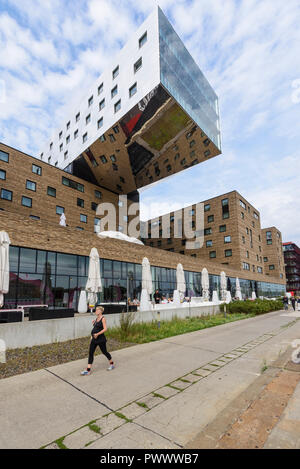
[(205, 284), (147, 286), (181, 285), (238, 292), (223, 282), (147, 276), (94, 284), (4, 265)]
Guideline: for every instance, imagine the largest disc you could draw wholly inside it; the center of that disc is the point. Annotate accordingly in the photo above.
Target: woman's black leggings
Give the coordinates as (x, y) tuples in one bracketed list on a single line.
[(93, 347)]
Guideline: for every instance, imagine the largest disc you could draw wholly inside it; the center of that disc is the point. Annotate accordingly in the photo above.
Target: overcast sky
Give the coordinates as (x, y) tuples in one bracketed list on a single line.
[(51, 50)]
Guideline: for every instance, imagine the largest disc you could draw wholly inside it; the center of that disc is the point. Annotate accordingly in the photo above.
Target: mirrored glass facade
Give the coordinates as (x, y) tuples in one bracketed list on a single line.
[(181, 76)]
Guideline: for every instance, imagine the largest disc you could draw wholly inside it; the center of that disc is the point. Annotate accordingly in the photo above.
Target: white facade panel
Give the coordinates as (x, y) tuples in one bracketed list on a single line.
[(146, 78)]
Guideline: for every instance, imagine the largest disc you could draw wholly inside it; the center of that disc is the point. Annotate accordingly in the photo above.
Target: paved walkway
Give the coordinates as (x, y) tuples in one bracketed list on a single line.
[(166, 394)]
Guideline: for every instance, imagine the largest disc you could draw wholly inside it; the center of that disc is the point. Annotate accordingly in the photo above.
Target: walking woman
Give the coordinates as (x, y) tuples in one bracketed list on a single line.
[(98, 339)]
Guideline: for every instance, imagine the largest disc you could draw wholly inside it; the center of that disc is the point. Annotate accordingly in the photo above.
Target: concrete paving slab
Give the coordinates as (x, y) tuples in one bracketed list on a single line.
[(109, 423), (151, 401), (192, 378), (133, 411), (134, 371), (131, 436), (80, 438), (201, 372), (182, 417), (167, 392), (30, 400), (180, 384)]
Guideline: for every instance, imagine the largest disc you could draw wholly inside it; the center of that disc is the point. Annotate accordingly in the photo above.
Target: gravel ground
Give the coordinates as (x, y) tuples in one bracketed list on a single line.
[(20, 361)]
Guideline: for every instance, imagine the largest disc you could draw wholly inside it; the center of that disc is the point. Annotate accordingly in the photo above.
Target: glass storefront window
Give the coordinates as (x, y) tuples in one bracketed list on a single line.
[(28, 260), (13, 259), (66, 264)]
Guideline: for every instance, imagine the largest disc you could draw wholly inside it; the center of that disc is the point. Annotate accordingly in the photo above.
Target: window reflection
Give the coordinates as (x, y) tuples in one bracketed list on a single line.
[(56, 279)]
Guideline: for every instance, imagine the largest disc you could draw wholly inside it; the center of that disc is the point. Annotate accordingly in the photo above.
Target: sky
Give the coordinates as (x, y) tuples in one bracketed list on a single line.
[(50, 50)]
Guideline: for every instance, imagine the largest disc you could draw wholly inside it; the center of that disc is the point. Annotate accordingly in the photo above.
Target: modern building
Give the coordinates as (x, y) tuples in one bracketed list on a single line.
[(273, 253), (151, 114), (231, 236), (49, 262), (40, 191), (292, 267)]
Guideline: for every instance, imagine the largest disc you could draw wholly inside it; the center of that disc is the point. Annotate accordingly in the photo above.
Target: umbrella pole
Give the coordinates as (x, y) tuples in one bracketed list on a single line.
[(127, 288)]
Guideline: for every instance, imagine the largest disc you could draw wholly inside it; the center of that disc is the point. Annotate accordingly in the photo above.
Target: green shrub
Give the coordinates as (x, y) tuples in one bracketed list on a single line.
[(253, 307)]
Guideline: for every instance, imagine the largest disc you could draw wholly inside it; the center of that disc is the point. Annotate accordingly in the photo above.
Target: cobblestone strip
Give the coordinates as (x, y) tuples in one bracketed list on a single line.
[(91, 432)]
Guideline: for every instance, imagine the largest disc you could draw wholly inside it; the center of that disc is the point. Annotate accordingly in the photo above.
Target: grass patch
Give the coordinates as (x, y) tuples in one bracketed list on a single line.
[(141, 333), (94, 428), (142, 404), (121, 416), (155, 394)]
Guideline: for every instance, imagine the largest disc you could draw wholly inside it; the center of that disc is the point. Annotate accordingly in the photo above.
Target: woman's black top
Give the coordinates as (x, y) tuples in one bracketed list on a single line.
[(98, 327)]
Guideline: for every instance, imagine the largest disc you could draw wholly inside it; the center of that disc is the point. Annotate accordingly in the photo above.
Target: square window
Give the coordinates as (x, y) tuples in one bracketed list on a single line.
[(94, 206), (26, 202), (36, 169), (143, 40), (98, 194), (83, 218), (6, 195), (59, 210), (132, 90), (207, 153), (222, 228), (213, 254), (210, 218), (2, 174), (103, 159), (31, 186), (138, 65), (207, 231), (227, 239), (115, 73), (209, 243), (206, 208), (228, 253), (118, 106), (51, 191), (80, 203), (114, 91), (100, 89)]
